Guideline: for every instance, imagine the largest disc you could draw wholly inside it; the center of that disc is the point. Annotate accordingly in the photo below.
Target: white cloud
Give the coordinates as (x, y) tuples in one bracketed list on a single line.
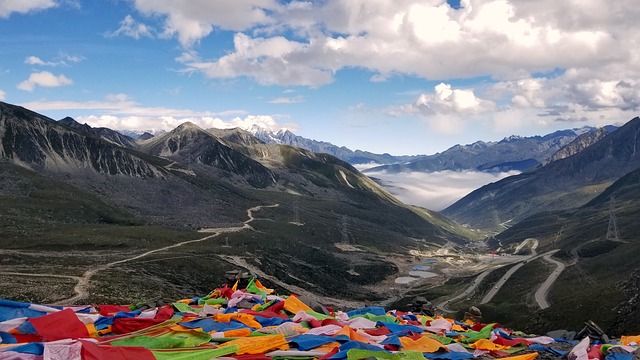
[(131, 28), (287, 100), (445, 100), (427, 39), (168, 123), (191, 21), (7, 7), (435, 191), (120, 112), (580, 51), (63, 59), (268, 60), (379, 78), (44, 79), (3, 95), (34, 60)]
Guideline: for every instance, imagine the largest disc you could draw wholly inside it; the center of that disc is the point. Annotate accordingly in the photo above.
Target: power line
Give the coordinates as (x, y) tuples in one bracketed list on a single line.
[(343, 230), (296, 212), (559, 235), (612, 230)]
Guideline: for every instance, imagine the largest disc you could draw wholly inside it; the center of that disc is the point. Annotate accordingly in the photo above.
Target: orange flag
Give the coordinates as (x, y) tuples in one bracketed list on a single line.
[(529, 356), (258, 344), (484, 344), (292, 304), (423, 344)]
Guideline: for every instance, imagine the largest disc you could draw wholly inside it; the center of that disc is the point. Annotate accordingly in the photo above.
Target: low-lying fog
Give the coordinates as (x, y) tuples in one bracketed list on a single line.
[(434, 191)]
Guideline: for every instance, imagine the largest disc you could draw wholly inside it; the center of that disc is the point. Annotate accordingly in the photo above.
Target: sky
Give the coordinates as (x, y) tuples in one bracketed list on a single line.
[(394, 76)]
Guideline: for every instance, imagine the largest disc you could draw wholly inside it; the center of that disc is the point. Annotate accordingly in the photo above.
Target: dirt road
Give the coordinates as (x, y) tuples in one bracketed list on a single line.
[(84, 281), (543, 290), (443, 305)]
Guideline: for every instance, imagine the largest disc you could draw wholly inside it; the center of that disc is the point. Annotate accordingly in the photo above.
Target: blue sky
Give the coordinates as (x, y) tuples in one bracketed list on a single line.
[(396, 76)]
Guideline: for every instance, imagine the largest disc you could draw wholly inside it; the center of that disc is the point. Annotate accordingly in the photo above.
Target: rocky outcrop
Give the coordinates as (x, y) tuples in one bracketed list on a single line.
[(37, 142)]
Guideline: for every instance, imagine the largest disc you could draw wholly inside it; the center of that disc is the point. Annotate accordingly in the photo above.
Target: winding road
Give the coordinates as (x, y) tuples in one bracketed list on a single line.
[(543, 290), (443, 305), (501, 282), (541, 293), (83, 281)]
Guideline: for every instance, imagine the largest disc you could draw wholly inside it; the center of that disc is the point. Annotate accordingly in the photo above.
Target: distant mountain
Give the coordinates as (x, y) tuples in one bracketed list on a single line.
[(511, 153), (578, 144), (189, 144), (356, 157), (103, 133), (145, 136), (564, 183), (140, 134), (191, 178)]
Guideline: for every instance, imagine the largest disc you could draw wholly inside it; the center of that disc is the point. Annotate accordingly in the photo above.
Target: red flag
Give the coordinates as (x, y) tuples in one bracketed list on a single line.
[(60, 325), (91, 351)]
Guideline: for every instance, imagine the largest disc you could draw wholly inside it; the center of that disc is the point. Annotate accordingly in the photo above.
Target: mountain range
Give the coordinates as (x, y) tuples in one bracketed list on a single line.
[(578, 173), (512, 153), (72, 181), (76, 199)]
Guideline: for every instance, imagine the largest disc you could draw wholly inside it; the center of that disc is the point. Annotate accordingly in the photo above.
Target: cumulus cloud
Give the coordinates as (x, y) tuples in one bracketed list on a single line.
[(428, 39), (131, 28), (270, 61), (7, 7), (575, 91), (547, 59), (121, 112), (168, 123), (191, 21), (445, 100), (3, 95), (44, 79), (435, 191)]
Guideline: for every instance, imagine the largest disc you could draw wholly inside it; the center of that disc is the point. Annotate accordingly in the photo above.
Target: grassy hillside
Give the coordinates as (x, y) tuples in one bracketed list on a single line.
[(50, 227), (600, 281)]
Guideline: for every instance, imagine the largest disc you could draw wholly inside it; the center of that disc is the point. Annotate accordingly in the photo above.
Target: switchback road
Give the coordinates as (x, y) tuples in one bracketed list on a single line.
[(543, 290)]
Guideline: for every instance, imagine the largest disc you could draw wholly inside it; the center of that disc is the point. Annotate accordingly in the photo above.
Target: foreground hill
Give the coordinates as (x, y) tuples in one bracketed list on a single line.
[(75, 198), (598, 261), (568, 182)]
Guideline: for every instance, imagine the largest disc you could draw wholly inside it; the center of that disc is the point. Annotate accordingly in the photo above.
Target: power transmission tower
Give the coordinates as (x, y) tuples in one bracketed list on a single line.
[(559, 235), (343, 230), (612, 230), (296, 212)]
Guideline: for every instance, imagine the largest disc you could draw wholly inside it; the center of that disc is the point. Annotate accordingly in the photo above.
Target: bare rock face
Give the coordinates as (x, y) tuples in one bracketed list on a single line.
[(34, 141), (580, 143), (192, 145)]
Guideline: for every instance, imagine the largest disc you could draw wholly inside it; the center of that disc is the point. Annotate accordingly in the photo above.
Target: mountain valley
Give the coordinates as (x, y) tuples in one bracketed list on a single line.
[(90, 215), (161, 191)]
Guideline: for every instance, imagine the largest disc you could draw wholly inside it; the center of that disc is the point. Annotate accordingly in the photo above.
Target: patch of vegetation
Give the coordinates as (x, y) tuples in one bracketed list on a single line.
[(43, 290), (514, 304)]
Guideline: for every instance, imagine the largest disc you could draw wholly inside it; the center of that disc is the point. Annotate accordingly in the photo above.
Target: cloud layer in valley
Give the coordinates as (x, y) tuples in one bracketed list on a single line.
[(435, 191)]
